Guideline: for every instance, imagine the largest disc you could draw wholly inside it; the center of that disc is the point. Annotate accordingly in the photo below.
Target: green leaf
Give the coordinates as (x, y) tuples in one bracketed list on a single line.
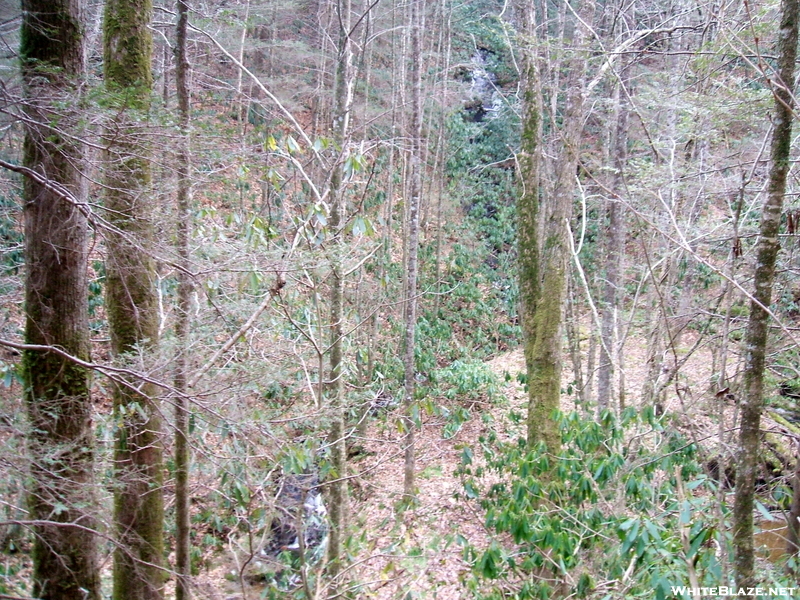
[(661, 589), (241, 494), (254, 280), (273, 176), (652, 530), (415, 416), (764, 512), (686, 512), (355, 163), (521, 530), (696, 483), (697, 542), (489, 564), (599, 472), (585, 585), (320, 215), (470, 490), (8, 376), (358, 226), (292, 146), (631, 537), (321, 144)]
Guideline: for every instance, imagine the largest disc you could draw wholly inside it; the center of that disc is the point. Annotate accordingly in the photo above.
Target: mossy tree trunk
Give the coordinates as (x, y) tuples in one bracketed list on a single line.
[(528, 225), (131, 303), (337, 490), (767, 249), (543, 220), (183, 569), (57, 391)]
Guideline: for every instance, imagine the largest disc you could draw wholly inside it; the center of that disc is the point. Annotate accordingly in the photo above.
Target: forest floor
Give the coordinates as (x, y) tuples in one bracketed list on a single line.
[(431, 563), (418, 550)]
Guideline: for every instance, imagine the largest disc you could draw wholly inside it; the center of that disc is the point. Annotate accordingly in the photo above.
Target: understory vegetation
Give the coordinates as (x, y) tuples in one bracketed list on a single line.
[(627, 509), (279, 327)]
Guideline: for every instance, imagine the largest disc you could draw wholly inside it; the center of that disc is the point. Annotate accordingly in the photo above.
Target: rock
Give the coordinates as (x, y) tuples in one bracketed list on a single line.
[(382, 401), (296, 492)]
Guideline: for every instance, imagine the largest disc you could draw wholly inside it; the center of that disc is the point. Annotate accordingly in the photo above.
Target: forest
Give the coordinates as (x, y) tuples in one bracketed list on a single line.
[(399, 299)]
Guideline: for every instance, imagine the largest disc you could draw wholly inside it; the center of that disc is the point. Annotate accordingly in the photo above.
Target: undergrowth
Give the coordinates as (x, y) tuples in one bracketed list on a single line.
[(624, 510)]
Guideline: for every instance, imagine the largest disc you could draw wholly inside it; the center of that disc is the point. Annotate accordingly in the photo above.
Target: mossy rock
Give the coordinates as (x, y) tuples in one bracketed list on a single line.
[(778, 448)]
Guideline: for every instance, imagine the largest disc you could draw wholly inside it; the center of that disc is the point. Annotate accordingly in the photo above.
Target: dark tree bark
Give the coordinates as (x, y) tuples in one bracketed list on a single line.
[(57, 392), (758, 324), (131, 304), (793, 528), (183, 567)]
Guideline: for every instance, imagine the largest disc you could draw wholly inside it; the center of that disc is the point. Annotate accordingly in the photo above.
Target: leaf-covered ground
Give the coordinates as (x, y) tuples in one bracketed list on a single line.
[(419, 550)]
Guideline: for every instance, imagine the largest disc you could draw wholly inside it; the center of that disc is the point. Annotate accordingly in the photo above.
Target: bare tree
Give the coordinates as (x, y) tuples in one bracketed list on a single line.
[(756, 335), (543, 220), (343, 100), (528, 226), (131, 303), (183, 567), (57, 395), (412, 267), (615, 239)]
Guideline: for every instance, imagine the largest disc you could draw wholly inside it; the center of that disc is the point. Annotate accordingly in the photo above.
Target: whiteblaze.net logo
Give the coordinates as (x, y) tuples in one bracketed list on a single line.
[(733, 592)]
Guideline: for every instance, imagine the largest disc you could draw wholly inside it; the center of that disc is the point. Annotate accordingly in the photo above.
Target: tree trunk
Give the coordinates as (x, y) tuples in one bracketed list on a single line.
[(415, 193), (543, 310), (793, 523), (337, 491), (239, 102), (131, 305), (573, 327), (651, 388), (57, 395), (183, 568), (591, 358), (767, 249), (528, 226), (615, 239), (728, 292)]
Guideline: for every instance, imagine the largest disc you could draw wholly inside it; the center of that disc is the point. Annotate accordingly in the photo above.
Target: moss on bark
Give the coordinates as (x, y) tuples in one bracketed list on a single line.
[(758, 323), (131, 304), (60, 442), (543, 219), (128, 49)]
